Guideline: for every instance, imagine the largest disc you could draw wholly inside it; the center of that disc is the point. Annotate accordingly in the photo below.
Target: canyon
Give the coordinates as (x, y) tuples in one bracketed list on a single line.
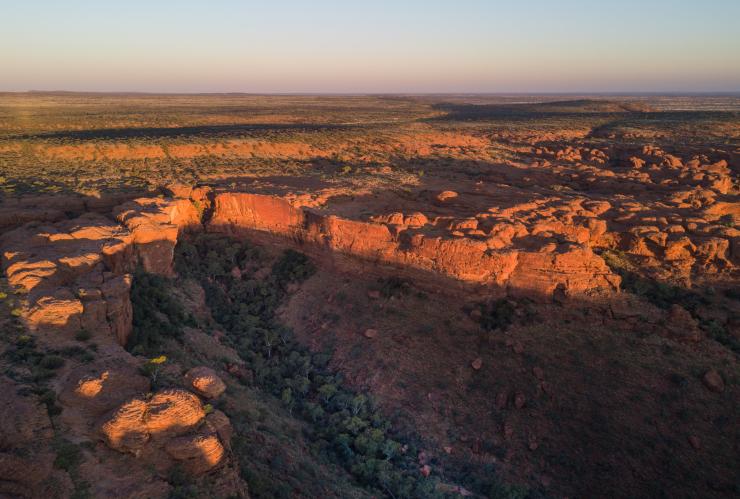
[(513, 298)]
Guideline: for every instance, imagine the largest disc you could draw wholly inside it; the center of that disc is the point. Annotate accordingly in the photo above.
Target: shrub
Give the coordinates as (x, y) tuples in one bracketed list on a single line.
[(497, 314), (83, 335), (394, 287), (69, 456), (51, 362)]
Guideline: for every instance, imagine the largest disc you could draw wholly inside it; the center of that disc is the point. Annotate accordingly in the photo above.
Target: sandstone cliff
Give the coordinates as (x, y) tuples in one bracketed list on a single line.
[(527, 263)]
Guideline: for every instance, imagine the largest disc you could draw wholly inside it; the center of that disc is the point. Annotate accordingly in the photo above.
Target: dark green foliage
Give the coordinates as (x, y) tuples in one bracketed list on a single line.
[(69, 455), (182, 484), (83, 335), (394, 287), (24, 354), (733, 293), (49, 398), (347, 426), (719, 333), (497, 314), (157, 315), (78, 353), (292, 267)]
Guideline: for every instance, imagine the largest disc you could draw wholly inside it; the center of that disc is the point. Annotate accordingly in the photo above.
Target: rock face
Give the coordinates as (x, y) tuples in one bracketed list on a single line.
[(520, 259), (109, 400), (74, 275), (155, 224), (168, 413)]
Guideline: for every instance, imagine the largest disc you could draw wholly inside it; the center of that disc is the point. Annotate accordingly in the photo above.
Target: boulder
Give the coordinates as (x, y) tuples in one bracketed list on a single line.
[(173, 412), (713, 381), (166, 414), (205, 382), (198, 453), (124, 429)]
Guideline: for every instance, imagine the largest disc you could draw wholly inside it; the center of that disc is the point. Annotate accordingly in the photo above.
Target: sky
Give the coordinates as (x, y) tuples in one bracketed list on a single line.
[(374, 46)]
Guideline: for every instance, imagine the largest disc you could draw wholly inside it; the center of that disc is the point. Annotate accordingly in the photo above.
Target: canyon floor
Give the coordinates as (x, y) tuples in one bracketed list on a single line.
[(369, 296)]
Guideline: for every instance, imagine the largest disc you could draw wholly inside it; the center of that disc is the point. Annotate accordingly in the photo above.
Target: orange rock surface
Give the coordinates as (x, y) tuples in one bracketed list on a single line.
[(531, 264)]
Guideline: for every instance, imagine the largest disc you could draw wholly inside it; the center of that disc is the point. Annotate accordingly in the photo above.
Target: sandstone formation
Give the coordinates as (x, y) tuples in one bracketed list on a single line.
[(172, 419), (155, 224), (205, 382), (97, 388), (74, 275), (534, 261), (109, 400)]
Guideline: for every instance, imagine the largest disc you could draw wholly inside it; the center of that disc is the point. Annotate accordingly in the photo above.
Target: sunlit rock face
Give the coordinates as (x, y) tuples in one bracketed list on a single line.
[(74, 275), (523, 259)]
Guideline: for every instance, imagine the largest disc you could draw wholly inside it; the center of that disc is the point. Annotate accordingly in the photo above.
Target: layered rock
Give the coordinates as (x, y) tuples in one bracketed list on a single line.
[(155, 224), (676, 211), (110, 400), (205, 382), (490, 255), (173, 420), (74, 275)]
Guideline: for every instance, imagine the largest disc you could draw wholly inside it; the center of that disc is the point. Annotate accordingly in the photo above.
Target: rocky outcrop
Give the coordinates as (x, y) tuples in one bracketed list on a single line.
[(110, 400), (97, 388), (74, 275), (481, 251), (168, 413), (17, 211), (155, 224), (173, 420)]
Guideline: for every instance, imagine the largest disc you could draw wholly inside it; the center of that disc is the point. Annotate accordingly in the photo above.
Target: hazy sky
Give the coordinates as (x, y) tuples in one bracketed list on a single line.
[(371, 46)]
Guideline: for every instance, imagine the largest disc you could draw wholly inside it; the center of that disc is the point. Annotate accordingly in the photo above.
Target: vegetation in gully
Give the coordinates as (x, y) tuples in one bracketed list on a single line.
[(345, 426)]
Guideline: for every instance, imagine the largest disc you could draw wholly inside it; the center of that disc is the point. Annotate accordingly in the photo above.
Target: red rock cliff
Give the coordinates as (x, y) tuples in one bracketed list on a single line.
[(527, 265)]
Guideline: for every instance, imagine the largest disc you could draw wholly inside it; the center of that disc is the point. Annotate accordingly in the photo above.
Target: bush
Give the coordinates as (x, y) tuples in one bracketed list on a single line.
[(69, 456), (497, 314), (394, 287), (83, 335), (51, 362)]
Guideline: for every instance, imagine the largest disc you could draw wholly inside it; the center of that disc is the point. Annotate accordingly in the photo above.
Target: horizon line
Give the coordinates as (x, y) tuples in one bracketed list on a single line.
[(390, 93)]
